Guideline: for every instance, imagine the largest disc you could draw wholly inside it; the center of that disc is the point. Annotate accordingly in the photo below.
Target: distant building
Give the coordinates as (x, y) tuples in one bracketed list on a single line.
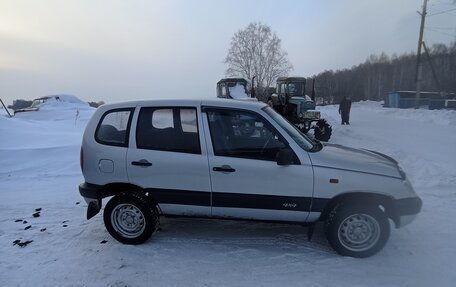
[(407, 99)]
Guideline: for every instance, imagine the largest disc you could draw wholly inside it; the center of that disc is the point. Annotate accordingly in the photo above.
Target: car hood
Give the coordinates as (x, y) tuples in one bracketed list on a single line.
[(359, 160)]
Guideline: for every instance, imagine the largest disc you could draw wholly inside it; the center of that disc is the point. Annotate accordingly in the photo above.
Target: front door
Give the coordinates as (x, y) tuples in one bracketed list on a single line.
[(246, 180)]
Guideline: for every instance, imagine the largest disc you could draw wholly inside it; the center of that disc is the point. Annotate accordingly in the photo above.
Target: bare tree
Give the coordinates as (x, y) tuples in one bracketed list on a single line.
[(256, 52)]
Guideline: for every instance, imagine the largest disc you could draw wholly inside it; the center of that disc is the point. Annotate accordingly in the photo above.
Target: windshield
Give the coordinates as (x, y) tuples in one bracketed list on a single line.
[(301, 139), (296, 89)]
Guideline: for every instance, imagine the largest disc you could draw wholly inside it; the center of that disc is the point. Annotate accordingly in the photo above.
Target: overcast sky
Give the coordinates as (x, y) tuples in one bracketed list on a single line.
[(118, 50)]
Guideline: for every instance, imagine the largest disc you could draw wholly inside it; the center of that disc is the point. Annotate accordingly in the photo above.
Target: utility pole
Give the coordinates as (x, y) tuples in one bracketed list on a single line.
[(418, 57), (434, 74)]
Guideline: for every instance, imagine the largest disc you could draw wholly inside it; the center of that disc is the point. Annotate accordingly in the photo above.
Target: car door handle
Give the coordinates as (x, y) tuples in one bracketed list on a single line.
[(224, 168), (142, 162)]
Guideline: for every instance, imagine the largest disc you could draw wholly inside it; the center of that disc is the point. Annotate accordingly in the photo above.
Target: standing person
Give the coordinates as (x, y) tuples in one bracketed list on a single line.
[(344, 110)]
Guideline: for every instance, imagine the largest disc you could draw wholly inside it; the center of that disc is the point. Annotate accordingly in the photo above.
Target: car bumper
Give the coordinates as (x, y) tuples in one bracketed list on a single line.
[(92, 194), (406, 210)]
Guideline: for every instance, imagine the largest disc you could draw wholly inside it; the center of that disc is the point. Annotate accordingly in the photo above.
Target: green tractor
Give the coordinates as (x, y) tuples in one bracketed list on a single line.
[(291, 102)]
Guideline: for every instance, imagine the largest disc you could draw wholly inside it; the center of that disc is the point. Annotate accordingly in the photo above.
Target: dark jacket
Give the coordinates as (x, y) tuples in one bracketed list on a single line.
[(345, 106)]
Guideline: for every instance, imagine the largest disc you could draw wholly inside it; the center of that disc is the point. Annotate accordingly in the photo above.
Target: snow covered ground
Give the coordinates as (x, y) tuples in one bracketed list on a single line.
[(39, 168)]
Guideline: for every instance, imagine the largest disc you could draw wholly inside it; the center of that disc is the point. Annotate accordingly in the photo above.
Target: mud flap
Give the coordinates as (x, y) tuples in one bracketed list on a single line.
[(93, 208)]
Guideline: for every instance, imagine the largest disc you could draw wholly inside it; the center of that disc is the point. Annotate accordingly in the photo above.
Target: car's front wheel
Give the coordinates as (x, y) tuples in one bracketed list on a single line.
[(130, 219), (356, 230)]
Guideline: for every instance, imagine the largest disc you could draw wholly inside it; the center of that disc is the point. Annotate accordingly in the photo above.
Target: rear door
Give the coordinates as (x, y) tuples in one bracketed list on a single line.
[(246, 180), (167, 159)]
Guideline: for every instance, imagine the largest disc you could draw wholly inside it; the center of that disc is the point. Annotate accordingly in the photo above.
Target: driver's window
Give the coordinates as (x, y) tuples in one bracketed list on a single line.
[(243, 134)]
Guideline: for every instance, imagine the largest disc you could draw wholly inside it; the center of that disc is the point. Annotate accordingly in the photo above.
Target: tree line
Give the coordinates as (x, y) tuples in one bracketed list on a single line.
[(256, 54), (381, 74)]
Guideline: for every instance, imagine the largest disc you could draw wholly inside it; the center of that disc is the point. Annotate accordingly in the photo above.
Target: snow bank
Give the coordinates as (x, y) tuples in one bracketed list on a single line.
[(71, 99), (4, 113), (63, 102), (58, 108), (57, 123)]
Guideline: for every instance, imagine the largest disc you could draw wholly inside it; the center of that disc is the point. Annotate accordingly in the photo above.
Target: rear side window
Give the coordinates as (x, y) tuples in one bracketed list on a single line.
[(168, 129), (114, 127)]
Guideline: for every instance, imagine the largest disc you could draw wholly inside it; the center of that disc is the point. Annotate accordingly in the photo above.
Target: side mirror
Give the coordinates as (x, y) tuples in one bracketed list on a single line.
[(285, 157)]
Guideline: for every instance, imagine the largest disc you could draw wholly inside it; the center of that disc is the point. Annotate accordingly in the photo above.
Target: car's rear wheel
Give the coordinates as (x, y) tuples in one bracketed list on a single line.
[(130, 219), (357, 231)]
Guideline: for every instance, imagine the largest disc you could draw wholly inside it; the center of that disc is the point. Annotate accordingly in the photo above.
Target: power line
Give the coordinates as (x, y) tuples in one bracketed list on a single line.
[(439, 28), (440, 4), (437, 31), (435, 3), (442, 12)]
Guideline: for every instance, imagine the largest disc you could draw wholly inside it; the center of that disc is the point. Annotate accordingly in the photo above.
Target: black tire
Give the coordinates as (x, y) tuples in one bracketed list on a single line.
[(357, 231), (130, 219), (323, 131)]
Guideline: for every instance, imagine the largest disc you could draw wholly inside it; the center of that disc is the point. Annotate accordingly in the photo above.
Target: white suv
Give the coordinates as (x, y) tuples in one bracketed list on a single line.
[(231, 159)]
